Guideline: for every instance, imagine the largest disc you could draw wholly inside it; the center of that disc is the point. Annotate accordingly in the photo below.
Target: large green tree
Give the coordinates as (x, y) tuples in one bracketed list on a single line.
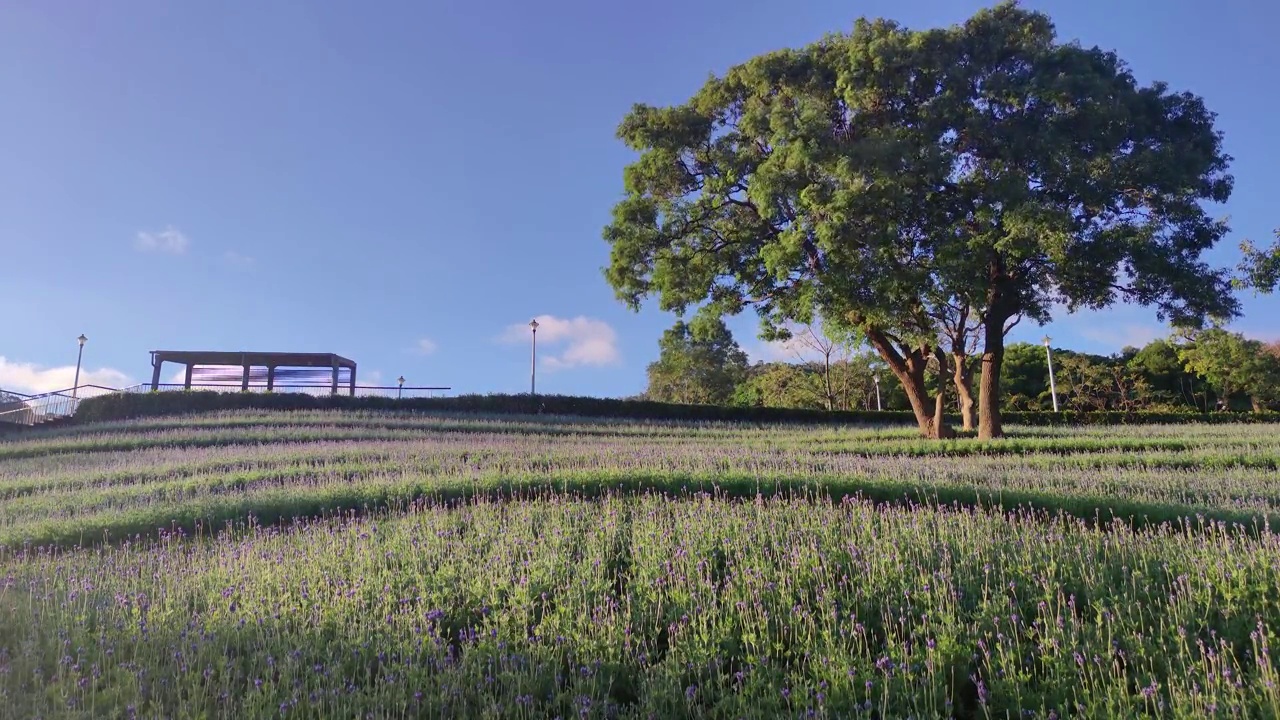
[(1166, 377), (1026, 377), (927, 189), (1234, 364), (698, 363)]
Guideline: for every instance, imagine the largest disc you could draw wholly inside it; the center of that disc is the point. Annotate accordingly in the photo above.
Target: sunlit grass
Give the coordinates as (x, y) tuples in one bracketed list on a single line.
[(347, 564)]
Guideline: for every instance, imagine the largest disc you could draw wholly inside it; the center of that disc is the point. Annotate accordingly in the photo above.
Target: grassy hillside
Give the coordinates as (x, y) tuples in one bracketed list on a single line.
[(341, 563)]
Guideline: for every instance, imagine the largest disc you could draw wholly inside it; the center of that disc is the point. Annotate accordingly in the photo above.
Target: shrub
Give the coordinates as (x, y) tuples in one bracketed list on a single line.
[(123, 406)]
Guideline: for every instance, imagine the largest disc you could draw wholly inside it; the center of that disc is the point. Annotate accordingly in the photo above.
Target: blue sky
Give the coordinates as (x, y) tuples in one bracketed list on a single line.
[(402, 182)]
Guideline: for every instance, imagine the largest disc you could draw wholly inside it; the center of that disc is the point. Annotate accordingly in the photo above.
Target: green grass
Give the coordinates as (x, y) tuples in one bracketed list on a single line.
[(347, 564)]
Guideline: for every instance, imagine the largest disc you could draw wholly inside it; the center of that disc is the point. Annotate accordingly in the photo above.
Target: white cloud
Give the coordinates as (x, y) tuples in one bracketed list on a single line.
[(568, 342), (30, 378), (170, 241), (236, 260), (425, 346)]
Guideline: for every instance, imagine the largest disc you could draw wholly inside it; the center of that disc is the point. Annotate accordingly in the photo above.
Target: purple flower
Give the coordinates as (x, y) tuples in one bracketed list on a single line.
[(982, 690)]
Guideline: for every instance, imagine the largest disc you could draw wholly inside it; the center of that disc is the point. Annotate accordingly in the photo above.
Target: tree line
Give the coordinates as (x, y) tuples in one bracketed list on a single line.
[(927, 191), (1206, 370)]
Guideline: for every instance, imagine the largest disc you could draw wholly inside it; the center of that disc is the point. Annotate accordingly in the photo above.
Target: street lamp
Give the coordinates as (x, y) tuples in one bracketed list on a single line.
[(79, 356), (533, 366), (1053, 387), (876, 379), (400, 389)]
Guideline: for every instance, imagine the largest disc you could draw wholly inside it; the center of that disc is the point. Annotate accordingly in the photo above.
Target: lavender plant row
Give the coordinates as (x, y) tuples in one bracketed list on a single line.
[(90, 484), (643, 607)]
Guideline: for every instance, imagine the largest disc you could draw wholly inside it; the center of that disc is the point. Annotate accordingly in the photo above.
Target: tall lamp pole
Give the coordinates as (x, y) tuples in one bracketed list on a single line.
[(876, 378), (1053, 386), (533, 360), (400, 390), (79, 356)]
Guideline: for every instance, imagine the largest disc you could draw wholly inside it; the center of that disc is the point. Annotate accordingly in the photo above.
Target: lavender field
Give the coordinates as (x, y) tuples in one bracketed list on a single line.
[(349, 564)]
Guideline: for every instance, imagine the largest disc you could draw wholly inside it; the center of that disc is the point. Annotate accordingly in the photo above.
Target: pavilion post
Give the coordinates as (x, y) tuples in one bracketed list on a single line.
[(271, 378), (244, 379), (186, 383), (333, 384), (353, 381), (155, 373)]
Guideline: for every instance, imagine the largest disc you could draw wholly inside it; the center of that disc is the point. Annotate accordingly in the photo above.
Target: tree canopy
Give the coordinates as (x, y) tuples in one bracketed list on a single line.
[(1232, 363), (699, 363), (927, 189)]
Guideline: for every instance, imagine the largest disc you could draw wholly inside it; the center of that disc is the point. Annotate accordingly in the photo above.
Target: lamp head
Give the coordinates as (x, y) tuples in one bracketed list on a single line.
[(82, 340), (1047, 340), (400, 380), (533, 325)]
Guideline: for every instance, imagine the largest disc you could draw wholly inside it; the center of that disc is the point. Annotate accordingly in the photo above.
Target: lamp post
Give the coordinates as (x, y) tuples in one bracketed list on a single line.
[(1053, 387), (533, 359), (876, 378), (400, 390), (79, 356)]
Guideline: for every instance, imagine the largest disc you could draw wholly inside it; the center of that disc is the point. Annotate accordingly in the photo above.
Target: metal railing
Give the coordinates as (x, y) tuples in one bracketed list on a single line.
[(49, 406), (58, 404)]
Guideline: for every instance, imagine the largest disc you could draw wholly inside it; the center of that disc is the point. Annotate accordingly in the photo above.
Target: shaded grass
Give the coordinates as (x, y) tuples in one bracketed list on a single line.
[(282, 505)]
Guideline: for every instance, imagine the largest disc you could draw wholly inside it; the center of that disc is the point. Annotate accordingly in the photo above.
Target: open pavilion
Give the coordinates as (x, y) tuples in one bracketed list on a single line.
[(256, 366)]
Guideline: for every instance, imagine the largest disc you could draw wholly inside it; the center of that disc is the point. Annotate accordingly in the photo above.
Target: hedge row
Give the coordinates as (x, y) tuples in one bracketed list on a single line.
[(124, 406)]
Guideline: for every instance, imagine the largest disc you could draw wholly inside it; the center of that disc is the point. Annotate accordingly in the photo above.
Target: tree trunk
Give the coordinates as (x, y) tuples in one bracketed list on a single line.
[(826, 376), (964, 388), (930, 420), (1257, 404), (989, 425), (941, 428), (910, 373)]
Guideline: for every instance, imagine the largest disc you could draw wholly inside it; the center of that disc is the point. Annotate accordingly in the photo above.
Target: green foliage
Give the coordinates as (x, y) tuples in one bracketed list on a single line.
[(1025, 378), (912, 184), (141, 405), (1166, 378), (1233, 363), (699, 364), (1260, 268), (804, 385), (123, 406)]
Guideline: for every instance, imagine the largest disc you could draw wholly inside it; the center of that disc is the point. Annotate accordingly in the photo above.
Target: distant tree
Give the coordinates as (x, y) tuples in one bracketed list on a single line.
[(922, 188), (1026, 377), (1083, 384), (829, 342), (783, 385), (1093, 382), (803, 385), (698, 363), (1234, 364), (855, 387), (1165, 377)]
